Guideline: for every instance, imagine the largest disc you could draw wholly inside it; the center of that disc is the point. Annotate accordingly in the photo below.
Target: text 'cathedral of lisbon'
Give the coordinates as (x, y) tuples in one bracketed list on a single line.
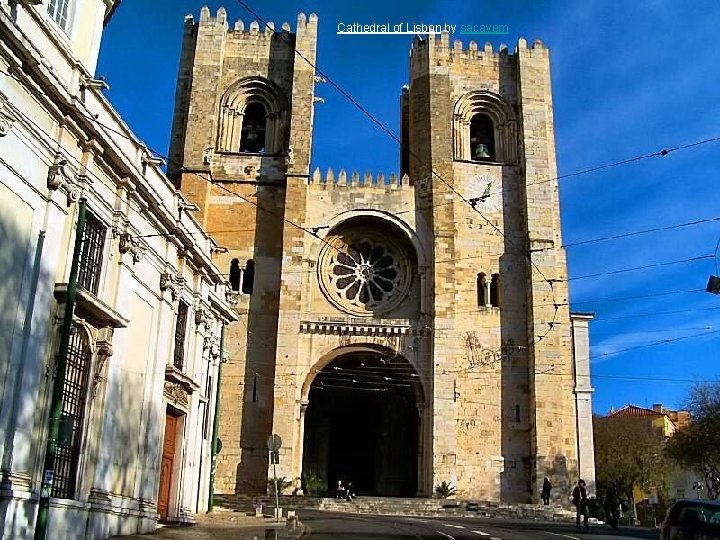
[(397, 349)]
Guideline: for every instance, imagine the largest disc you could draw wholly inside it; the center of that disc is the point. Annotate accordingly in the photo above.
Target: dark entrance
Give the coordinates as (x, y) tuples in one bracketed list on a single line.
[(362, 425)]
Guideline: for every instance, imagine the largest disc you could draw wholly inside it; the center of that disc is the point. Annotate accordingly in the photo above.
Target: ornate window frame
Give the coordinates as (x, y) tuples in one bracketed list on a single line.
[(232, 110), (497, 109)]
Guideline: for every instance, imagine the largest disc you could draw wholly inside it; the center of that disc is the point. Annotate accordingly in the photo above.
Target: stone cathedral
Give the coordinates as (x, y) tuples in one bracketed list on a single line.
[(396, 330)]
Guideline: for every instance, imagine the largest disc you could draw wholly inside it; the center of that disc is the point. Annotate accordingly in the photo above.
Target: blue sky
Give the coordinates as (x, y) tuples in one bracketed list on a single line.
[(629, 79)]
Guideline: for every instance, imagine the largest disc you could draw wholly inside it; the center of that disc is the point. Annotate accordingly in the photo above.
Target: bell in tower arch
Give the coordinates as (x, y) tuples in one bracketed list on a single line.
[(482, 138), (252, 134)]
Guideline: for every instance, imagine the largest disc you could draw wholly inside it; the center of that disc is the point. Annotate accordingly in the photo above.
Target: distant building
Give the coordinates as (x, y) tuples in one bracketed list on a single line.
[(136, 405), (665, 423), (390, 333)]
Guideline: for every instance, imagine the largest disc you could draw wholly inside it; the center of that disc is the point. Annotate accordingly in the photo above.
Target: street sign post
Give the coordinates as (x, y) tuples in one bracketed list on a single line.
[(274, 442)]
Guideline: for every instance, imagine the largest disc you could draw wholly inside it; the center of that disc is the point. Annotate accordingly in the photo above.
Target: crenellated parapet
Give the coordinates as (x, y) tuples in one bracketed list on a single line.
[(355, 179), (456, 50), (255, 29)]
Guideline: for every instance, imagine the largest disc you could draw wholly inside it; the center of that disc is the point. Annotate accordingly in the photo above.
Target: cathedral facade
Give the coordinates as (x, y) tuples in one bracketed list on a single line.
[(401, 330)]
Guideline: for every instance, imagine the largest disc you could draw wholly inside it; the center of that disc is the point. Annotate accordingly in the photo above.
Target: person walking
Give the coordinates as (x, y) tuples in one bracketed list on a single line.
[(350, 492), (612, 508), (545, 495), (580, 500)]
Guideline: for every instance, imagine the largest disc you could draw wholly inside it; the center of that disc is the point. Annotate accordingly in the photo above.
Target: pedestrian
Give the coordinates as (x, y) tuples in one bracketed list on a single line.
[(350, 492), (340, 490), (612, 508), (545, 495), (580, 500)]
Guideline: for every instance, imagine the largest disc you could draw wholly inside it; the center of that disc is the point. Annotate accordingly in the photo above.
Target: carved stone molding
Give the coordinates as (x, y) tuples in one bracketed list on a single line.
[(202, 317), (344, 328), (169, 282), (211, 343), (232, 297), (178, 387), (59, 178), (131, 245), (7, 119), (103, 351), (176, 394)]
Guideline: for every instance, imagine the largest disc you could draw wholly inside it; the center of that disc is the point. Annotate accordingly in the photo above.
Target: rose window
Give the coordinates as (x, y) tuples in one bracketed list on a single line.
[(362, 273)]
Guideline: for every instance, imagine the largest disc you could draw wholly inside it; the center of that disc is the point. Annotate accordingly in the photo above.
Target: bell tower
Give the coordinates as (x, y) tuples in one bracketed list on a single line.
[(478, 124), (240, 151)]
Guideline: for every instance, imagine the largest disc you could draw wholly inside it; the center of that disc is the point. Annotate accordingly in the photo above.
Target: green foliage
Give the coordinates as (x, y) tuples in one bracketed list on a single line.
[(629, 453), (444, 490), (282, 484), (697, 446), (315, 484)]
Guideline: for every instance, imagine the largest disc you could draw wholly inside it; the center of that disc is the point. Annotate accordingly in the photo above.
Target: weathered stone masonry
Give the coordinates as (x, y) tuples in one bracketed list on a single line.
[(495, 386)]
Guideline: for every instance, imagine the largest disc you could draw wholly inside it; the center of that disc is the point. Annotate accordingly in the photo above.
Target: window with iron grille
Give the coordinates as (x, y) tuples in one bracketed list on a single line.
[(91, 257), (59, 10), (180, 326), (72, 419)]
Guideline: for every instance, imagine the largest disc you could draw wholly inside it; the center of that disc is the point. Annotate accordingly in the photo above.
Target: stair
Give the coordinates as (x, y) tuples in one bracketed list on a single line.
[(394, 506)]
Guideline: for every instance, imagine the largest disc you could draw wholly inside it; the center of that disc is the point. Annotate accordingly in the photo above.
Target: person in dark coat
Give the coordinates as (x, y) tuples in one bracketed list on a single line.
[(580, 500), (612, 508), (545, 495), (350, 492)]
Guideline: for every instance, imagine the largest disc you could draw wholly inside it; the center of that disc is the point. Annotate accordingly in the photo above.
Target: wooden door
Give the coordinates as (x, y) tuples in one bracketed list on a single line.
[(168, 459)]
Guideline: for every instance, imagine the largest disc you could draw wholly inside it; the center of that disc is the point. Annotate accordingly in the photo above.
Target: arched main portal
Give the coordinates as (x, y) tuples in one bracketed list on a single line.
[(362, 424)]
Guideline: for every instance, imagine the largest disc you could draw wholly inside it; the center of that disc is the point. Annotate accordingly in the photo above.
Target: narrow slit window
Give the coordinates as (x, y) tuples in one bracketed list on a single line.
[(180, 329), (248, 281), (482, 286), (482, 138), (494, 290), (235, 275), (254, 126), (517, 413)]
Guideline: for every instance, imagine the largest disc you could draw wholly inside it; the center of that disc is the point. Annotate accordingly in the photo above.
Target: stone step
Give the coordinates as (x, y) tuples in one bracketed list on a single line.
[(401, 506)]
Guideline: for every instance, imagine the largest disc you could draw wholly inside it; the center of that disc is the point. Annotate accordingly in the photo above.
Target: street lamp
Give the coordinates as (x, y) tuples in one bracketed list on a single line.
[(713, 285)]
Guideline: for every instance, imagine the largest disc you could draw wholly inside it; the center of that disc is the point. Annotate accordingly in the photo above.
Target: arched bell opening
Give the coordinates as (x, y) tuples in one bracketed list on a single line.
[(363, 424)]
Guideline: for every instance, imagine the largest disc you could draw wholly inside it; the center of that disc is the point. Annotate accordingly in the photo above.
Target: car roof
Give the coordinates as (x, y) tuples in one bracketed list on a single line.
[(697, 502)]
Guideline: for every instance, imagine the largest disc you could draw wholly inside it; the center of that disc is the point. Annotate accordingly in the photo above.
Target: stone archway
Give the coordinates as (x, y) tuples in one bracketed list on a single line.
[(363, 423)]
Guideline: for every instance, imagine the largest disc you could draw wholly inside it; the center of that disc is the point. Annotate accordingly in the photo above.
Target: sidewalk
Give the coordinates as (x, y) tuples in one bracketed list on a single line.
[(221, 525)]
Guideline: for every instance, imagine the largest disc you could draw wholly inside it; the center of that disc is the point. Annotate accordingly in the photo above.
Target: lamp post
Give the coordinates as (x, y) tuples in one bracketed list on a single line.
[(698, 487)]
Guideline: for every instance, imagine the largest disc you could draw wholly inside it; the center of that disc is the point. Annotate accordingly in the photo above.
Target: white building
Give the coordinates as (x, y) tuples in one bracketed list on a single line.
[(144, 346)]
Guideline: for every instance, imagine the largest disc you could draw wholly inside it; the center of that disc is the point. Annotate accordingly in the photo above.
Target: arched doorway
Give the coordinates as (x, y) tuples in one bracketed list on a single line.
[(362, 424)]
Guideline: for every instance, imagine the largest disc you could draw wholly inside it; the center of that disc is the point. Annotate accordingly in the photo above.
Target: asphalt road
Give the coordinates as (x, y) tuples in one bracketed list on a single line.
[(327, 526)]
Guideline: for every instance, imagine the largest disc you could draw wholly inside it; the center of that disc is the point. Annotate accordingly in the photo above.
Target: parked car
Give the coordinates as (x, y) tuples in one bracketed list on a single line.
[(692, 520)]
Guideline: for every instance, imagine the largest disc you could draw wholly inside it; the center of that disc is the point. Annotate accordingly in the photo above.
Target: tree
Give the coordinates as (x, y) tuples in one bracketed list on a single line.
[(629, 453), (697, 446)]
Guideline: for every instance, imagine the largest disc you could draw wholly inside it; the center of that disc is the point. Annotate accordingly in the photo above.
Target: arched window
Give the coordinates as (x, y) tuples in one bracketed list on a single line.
[(248, 277), (484, 128), (72, 419), (482, 138), (253, 118), (235, 275), (254, 126), (482, 290), (494, 290)]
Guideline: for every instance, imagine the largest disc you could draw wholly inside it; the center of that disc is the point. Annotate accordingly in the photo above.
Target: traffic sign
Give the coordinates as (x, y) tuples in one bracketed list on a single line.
[(274, 442)]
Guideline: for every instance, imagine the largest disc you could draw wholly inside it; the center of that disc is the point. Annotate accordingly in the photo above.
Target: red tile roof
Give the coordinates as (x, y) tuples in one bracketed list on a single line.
[(634, 410)]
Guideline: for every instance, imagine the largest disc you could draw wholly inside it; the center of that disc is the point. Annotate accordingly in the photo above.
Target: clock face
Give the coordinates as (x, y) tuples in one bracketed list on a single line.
[(485, 191)]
